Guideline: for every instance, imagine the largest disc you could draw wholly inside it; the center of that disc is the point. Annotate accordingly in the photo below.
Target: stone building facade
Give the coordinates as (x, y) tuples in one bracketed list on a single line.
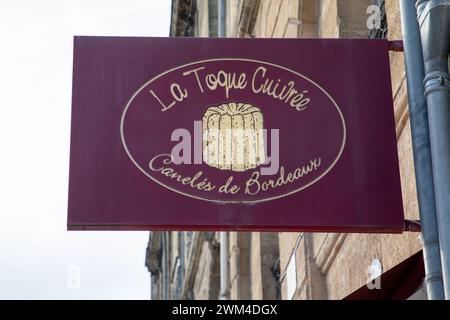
[(185, 265)]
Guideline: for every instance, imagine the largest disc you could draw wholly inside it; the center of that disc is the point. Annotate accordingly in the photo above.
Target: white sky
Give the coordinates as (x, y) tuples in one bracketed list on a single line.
[(39, 259)]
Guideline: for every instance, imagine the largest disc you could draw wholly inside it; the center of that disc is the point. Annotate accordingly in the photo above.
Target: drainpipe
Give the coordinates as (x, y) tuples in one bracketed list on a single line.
[(221, 19), (181, 255), (224, 241), (434, 20), (421, 149), (224, 272)]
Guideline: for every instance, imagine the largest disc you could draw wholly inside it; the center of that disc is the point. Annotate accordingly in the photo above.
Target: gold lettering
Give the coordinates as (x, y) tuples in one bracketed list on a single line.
[(252, 186), (195, 72), (164, 106), (227, 81), (226, 187), (260, 69), (170, 173)]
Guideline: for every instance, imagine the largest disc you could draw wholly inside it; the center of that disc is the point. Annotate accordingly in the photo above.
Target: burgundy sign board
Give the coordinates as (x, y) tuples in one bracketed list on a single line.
[(233, 134)]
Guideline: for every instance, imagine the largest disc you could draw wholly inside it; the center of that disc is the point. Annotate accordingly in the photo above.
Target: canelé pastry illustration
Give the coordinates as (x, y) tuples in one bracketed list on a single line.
[(233, 137)]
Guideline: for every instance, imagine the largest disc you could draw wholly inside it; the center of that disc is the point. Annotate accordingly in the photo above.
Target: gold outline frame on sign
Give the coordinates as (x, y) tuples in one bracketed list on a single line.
[(122, 121)]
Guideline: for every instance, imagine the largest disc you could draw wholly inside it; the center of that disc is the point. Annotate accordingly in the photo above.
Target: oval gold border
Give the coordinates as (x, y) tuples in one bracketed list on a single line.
[(232, 201)]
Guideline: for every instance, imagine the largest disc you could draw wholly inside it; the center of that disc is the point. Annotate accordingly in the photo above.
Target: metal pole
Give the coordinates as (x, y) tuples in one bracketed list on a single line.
[(221, 12), (421, 149), (434, 22), (224, 241), (224, 272), (165, 266)]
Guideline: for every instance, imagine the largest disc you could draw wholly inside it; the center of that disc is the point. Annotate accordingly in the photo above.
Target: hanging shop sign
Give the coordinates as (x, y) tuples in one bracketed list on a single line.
[(233, 134)]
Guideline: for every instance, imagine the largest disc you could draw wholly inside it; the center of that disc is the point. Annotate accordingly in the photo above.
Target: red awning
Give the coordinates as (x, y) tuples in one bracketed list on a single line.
[(399, 283)]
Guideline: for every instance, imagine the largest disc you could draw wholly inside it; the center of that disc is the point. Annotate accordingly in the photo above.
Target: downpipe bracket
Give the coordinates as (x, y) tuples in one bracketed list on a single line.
[(437, 81), (396, 45), (412, 226), (424, 8)]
